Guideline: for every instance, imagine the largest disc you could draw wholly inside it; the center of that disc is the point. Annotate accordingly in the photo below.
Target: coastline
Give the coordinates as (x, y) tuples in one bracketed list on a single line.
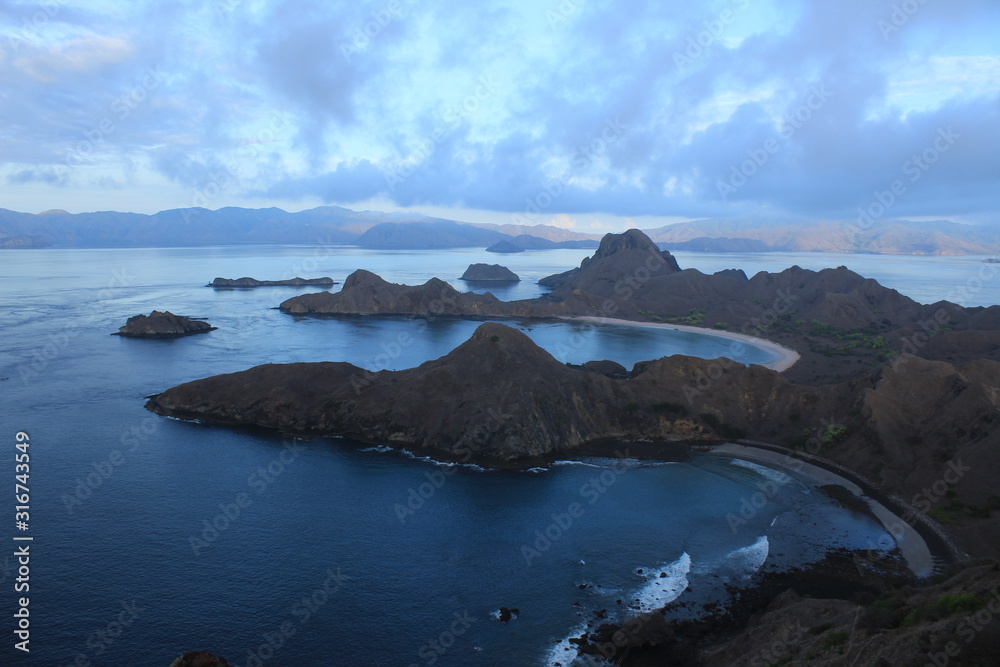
[(787, 357), (912, 544)]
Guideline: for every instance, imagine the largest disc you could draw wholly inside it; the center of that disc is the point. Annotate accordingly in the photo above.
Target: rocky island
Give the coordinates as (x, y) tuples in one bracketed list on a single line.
[(162, 325), (489, 273), (290, 282)]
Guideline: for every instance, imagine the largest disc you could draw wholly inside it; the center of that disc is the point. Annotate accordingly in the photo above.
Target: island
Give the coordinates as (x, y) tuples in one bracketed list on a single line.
[(504, 246), (290, 282), (489, 273), (162, 325)]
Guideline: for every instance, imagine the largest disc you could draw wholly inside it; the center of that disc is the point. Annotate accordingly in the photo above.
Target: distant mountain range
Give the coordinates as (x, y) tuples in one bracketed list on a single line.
[(332, 225), (892, 237)]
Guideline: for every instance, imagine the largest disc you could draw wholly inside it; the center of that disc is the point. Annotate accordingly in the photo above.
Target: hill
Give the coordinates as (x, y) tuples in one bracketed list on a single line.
[(894, 237)]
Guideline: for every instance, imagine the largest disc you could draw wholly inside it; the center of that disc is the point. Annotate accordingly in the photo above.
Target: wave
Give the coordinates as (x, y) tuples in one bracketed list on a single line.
[(747, 560), (565, 653), (665, 583), (771, 474)]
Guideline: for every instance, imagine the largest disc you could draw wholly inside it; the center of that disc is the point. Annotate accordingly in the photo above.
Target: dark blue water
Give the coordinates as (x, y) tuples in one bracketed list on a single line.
[(323, 552)]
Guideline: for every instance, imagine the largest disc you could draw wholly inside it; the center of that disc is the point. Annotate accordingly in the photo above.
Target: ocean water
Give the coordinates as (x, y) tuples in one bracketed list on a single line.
[(153, 536)]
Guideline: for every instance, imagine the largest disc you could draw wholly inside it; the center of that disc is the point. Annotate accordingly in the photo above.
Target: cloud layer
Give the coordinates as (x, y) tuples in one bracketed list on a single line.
[(530, 111)]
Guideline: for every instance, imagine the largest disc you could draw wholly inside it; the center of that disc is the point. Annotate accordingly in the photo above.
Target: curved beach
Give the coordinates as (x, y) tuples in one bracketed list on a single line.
[(912, 544), (786, 357)]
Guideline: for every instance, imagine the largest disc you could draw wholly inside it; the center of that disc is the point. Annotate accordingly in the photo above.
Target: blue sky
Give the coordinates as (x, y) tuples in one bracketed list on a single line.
[(583, 113)]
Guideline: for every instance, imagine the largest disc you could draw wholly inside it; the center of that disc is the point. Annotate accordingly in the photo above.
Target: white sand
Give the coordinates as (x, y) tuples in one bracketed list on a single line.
[(911, 544), (786, 356)]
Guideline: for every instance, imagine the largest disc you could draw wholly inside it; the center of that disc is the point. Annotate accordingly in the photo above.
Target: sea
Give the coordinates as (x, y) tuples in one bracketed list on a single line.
[(152, 536)]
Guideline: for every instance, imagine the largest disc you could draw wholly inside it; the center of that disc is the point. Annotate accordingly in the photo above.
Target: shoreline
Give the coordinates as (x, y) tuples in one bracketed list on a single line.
[(787, 357), (920, 554)]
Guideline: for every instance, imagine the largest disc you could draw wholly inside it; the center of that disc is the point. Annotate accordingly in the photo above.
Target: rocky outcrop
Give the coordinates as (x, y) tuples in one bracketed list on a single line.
[(162, 325), (366, 293), (504, 246), (620, 257), (606, 367), (253, 282), (489, 273), (199, 659)]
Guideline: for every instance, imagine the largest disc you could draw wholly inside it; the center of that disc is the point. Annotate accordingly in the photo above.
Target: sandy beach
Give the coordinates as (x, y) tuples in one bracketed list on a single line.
[(911, 543), (786, 357)]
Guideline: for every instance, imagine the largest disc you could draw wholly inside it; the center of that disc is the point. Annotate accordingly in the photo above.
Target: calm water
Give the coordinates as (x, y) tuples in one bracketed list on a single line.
[(361, 557)]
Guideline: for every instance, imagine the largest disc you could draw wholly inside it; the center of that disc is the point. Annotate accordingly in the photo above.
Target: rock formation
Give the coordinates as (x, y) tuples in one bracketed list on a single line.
[(489, 273), (366, 293), (162, 325), (253, 282)]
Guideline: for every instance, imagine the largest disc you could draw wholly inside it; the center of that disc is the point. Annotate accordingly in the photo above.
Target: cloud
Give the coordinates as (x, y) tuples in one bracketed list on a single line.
[(506, 106)]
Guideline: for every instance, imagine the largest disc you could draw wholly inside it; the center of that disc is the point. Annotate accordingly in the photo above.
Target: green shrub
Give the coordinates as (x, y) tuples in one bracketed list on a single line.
[(959, 604)]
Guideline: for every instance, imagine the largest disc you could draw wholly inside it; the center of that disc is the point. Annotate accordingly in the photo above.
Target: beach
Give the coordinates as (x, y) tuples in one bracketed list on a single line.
[(786, 357), (911, 544)]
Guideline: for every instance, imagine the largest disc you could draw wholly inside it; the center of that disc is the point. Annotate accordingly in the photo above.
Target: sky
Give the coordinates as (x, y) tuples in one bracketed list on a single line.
[(588, 114)]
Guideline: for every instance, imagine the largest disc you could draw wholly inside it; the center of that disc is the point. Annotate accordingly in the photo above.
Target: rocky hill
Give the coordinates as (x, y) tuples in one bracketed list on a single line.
[(489, 273)]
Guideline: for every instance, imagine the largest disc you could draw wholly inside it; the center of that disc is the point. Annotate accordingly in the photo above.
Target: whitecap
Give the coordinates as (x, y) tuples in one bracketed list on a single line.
[(564, 653), (747, 560), (664, 584)]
